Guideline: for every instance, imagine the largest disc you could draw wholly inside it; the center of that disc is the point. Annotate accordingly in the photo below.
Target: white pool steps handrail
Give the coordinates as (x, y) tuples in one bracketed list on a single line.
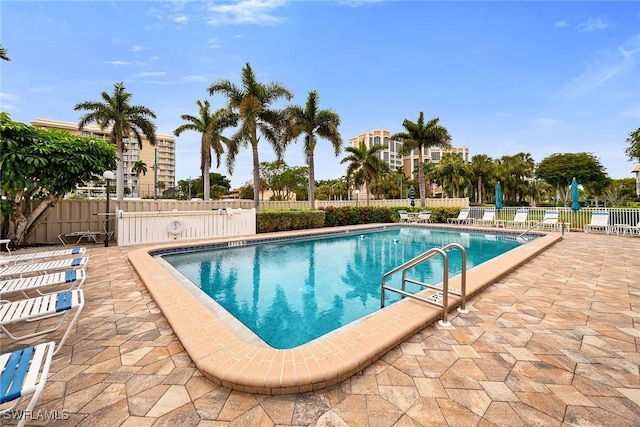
[(444, 292)]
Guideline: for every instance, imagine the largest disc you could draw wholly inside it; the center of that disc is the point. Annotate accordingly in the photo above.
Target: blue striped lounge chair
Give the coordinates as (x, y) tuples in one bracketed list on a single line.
[(36, 309), (40, 256), (46, 267), (23, 373), (72, 279)]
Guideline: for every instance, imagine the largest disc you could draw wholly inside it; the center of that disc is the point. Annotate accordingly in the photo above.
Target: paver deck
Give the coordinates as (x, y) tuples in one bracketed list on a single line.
[(555, 342)]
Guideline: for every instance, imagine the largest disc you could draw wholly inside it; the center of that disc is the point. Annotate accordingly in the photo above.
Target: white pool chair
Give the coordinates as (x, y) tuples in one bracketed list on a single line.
[(74, 279), (23, 373), (550, 220), (599, 221), (518, 221), (40, 256), (40, 308), (424, 216), (488, 218), (404, 216), (463, 218), (21, 270)]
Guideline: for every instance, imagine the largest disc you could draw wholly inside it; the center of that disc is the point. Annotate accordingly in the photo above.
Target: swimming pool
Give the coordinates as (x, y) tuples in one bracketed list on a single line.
[(291, 292), (225, 355)]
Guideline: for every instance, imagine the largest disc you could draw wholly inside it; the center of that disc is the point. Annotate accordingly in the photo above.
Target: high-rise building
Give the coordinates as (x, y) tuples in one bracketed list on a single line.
[(391, 152), (162, 155)]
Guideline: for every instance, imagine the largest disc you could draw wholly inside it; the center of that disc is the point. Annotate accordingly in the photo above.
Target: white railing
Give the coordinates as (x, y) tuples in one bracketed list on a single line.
[(575, 219), (462, 202), (136, 228)]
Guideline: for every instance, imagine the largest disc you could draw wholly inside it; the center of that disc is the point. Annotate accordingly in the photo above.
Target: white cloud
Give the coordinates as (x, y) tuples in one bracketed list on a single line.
[(116, 62), (547, 121), (611, 65), (213, 43), (594, 24), (138, 48), (195, 79), (40, 89), (151, 74), (180, 19), (245, 12), (6, 102), (561, 24), (356, 3)]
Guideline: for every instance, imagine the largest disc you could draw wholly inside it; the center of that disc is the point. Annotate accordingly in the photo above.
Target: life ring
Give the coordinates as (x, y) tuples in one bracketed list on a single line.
[(175, 226)]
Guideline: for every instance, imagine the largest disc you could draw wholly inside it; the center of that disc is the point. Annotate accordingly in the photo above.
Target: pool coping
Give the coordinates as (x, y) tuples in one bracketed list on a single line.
[(225, 358)]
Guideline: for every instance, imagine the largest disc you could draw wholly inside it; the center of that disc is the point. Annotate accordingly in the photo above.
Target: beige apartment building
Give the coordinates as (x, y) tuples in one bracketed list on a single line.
[(391, 152), (162, 155)]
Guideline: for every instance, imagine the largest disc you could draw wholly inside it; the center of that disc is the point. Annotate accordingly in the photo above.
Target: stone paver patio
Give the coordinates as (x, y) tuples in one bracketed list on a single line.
[(553, 343)]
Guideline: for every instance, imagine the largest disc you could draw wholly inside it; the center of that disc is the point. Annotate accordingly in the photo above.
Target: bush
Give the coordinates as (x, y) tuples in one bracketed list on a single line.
[(286, 220), (349, 215)]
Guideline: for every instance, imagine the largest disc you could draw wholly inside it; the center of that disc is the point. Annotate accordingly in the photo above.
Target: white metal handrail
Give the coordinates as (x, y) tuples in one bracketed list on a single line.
[(445, 281)]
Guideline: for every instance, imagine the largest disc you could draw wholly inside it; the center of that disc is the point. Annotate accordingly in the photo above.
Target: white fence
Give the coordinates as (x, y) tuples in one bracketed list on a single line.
[(135, 228), (575, 219)]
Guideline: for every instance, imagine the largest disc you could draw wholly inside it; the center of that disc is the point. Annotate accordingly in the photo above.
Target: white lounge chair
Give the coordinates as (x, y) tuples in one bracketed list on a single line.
[(633, 230), (40, 256), (404, 216), (41, 308), (23, 373), (550, 220), (488, 218), (599, 221), (21, 270), (519, 220), (424, 216), (463, 217), (74, 279)]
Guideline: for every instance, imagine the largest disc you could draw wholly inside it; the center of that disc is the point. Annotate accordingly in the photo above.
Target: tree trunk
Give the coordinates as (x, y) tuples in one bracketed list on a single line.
[(421, 179), (119, 172), (256, 175), (312, 181), (206, 181)]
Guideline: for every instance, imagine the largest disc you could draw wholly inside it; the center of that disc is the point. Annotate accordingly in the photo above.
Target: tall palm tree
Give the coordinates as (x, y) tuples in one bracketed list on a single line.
[(314, 123), (365, 165), (211, 127), (4, 54), (139, 167), (125, 120), (481, 166), (251, 102), (422, 136)]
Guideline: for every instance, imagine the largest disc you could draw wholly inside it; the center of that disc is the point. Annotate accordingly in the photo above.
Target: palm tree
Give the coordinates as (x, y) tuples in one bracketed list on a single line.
[(481, 166), (252, 102), (422, 136), (4, 54), (454, 173), (139, 167), (314, 123), (365, 165), (124, 120), (211, 127)]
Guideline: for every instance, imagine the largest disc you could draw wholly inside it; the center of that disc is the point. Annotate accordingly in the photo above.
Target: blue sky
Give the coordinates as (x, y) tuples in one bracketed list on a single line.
[(503, 77)]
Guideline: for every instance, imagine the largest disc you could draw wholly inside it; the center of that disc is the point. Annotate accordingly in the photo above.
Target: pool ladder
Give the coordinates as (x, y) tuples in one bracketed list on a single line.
[(440, 298)]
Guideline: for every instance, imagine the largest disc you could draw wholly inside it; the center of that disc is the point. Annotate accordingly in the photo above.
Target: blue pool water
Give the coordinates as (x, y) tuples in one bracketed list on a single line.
[(291, 292)]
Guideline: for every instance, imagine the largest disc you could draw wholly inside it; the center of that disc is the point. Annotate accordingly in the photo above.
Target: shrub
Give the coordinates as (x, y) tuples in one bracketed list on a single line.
[(349, 215), (286, 220)]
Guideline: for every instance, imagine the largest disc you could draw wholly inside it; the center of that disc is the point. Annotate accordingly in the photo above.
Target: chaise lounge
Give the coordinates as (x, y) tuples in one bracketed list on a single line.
[(23, 373), (38, 309), (22, 270)]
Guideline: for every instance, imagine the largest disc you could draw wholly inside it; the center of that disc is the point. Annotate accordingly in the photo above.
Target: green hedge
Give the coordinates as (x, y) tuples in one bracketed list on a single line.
[(286, 220), (350, 215)]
